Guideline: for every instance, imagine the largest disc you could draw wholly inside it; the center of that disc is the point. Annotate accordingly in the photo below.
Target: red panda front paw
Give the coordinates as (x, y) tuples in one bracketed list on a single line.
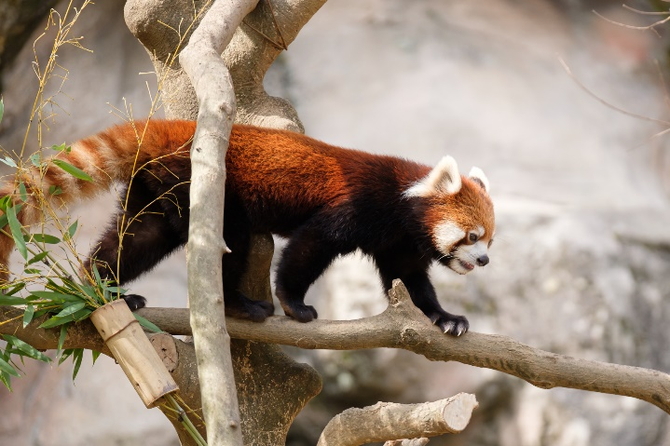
[(452, 324), (301, 312)]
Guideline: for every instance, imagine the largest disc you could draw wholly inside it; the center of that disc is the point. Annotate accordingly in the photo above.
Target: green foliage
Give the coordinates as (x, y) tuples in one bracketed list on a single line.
[(72, 170), (46, 289)]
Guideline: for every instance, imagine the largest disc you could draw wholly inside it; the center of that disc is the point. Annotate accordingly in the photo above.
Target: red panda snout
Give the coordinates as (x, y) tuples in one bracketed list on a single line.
[(465, 257), (461, 250)]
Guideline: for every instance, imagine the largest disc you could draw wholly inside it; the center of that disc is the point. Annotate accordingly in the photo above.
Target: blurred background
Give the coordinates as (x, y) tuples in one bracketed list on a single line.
[(564, 111)]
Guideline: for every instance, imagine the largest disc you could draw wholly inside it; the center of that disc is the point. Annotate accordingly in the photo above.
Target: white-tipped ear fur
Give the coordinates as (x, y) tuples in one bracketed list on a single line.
[(478, 174), (444, 178)]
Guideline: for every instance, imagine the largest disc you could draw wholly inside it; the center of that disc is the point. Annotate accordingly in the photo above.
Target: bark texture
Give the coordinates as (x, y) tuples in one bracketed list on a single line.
[(209, 75), (390, 421), (402, 325)]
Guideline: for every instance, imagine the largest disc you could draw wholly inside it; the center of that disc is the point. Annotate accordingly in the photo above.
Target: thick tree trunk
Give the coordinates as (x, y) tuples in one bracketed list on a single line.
[(272, 389)]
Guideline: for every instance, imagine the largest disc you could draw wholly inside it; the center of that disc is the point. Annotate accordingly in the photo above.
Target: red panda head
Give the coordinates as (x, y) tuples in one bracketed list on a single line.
[(458, 214)]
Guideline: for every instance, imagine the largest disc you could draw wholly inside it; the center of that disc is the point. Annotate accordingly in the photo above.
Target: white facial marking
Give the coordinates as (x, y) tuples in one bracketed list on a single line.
[(444, 178), (470, 253), (446, 235), (465, 257), (478, 174)]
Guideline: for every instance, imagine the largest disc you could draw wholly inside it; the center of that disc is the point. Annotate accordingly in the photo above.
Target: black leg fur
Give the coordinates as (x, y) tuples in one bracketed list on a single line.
[(149, 238), (302, 261), (234, 266), (423, 295)]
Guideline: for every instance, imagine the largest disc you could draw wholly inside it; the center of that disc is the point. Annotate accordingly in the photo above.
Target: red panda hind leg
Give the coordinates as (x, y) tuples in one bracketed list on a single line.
[(303, 260), (237, 236)]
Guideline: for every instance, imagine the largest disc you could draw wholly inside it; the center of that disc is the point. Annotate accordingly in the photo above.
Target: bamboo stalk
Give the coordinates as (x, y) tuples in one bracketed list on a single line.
[(133, 351)]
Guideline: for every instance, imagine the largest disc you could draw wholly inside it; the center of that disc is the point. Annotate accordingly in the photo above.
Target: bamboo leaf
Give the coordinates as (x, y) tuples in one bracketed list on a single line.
[(61, 338), (26, 349), (71, 309), (55, 322), (55, 296), (82, 314), (43, 238), (5, 202), (6, 367), (17, 234), (38, 257), (146, 323), (12, 300), (64, 355), (71, 230), (116, 290), (15, 289), (96, 274), (7, 160), (2, 108), (32, 271), (41, 312), (61, 148), (5, 378), (77, 357), (36, 159), (72, 170), (95, 355), (28, 315), (23, 193)]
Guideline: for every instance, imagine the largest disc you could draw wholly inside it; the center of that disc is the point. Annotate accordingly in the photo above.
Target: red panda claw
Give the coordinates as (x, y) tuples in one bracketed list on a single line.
[(453, 325)]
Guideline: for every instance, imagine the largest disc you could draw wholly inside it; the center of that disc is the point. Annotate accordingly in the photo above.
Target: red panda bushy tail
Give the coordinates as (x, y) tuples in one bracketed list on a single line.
[(109, 156)]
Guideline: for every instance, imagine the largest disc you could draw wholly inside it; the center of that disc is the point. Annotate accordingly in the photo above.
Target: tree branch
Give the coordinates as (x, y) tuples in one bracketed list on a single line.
[(201, 60), (390, 421), (402, 325)]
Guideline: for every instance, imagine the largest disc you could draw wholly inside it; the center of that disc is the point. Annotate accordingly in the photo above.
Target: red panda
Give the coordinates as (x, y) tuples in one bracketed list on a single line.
[(327, 200)]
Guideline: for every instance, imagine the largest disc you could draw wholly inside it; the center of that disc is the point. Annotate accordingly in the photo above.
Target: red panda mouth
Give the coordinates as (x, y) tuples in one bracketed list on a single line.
[(467, 265)]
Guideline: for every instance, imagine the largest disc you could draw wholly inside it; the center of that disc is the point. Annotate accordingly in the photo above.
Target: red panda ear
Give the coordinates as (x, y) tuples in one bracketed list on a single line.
[(444, 178), (477, 175)]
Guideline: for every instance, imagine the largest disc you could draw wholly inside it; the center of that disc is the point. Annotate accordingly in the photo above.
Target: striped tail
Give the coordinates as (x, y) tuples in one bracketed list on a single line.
[(89, 167)]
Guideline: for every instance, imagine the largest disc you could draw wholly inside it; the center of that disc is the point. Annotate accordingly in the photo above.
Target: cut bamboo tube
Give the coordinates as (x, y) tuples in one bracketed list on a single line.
[(133, 351)]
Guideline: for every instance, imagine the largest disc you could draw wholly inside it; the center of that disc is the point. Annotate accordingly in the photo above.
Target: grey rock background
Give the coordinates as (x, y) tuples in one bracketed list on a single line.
[(580, 265)]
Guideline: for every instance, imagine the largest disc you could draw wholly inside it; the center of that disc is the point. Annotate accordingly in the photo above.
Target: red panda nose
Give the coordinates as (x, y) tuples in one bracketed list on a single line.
[(483, 260)]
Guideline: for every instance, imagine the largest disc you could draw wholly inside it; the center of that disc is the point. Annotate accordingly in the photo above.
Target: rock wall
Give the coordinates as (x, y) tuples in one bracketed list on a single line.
[(580, 262)]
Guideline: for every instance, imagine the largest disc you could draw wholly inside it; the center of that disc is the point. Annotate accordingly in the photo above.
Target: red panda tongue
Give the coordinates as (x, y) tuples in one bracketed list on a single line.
[(466, 265)]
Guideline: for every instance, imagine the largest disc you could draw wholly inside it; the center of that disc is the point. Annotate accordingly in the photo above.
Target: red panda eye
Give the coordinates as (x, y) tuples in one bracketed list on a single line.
[(472, 237)]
